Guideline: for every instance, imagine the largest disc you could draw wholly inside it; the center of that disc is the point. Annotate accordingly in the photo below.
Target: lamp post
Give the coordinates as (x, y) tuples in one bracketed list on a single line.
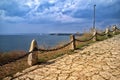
[(94, 18)]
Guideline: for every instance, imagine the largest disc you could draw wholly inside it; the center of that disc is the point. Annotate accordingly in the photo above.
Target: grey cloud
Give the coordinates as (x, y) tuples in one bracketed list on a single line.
[(12, 8), (61, 14)]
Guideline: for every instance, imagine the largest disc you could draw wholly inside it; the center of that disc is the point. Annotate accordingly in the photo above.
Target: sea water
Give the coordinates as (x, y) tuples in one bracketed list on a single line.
[(22, 42)]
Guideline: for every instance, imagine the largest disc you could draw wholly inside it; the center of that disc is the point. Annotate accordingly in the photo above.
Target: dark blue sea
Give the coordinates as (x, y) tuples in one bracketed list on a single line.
[(22, 42)]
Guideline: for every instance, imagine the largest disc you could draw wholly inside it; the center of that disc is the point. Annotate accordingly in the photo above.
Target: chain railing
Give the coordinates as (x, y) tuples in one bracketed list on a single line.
[(101, 34), (112, 30), (54, 49), (85, 40), (13, 60), (34, 46), (118, 29)]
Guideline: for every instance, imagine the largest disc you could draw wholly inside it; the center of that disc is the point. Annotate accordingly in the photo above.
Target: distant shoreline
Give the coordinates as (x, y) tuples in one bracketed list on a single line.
[(65, 34), (44, 34)]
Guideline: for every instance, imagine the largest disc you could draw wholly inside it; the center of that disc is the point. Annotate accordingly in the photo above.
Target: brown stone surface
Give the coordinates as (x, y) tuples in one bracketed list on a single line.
[(100, 61)]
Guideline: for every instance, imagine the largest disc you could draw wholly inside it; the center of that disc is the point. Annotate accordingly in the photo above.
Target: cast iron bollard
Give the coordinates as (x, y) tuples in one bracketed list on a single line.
[(32, 57), (72, 38)]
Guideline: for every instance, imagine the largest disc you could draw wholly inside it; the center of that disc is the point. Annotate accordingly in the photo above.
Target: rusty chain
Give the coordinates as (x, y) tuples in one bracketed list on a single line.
[(85, 40), (101, 34), (46, 50), (13, 60)]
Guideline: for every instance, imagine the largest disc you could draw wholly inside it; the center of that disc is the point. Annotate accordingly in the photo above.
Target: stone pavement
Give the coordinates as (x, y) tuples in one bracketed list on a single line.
[(100, 61)]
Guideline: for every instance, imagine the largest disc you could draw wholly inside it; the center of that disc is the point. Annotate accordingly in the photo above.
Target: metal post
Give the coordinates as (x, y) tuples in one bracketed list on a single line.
[(94, 18)]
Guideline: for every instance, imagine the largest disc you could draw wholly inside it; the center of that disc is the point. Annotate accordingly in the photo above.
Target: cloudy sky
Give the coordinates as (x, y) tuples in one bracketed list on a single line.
[(47, 16)]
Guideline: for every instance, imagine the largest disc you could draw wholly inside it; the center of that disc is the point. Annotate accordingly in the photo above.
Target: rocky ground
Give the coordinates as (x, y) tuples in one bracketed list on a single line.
[(100, 61)]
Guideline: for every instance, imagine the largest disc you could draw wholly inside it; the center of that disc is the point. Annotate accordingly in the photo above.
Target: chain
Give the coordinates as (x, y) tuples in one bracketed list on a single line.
[(13, 60), (117, 28), (46, 50), (85, 40), (101, 34)]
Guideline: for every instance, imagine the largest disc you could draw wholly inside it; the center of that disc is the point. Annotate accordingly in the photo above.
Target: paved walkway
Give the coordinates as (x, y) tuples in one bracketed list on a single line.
[(100, 61)]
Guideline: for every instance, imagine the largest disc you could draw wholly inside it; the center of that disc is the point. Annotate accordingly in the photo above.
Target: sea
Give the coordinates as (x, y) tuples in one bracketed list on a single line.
[(22, 42)]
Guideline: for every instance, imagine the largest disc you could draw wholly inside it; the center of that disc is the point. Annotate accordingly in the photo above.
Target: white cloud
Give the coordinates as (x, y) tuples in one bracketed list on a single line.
[(2, 13), (52, 1), (56, 11), (3, 17), (32, 3), (104, 2), (54, 15), (13, 19)]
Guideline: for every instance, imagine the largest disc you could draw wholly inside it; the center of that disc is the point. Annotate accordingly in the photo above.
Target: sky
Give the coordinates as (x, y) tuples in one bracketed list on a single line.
[(56, 16)]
